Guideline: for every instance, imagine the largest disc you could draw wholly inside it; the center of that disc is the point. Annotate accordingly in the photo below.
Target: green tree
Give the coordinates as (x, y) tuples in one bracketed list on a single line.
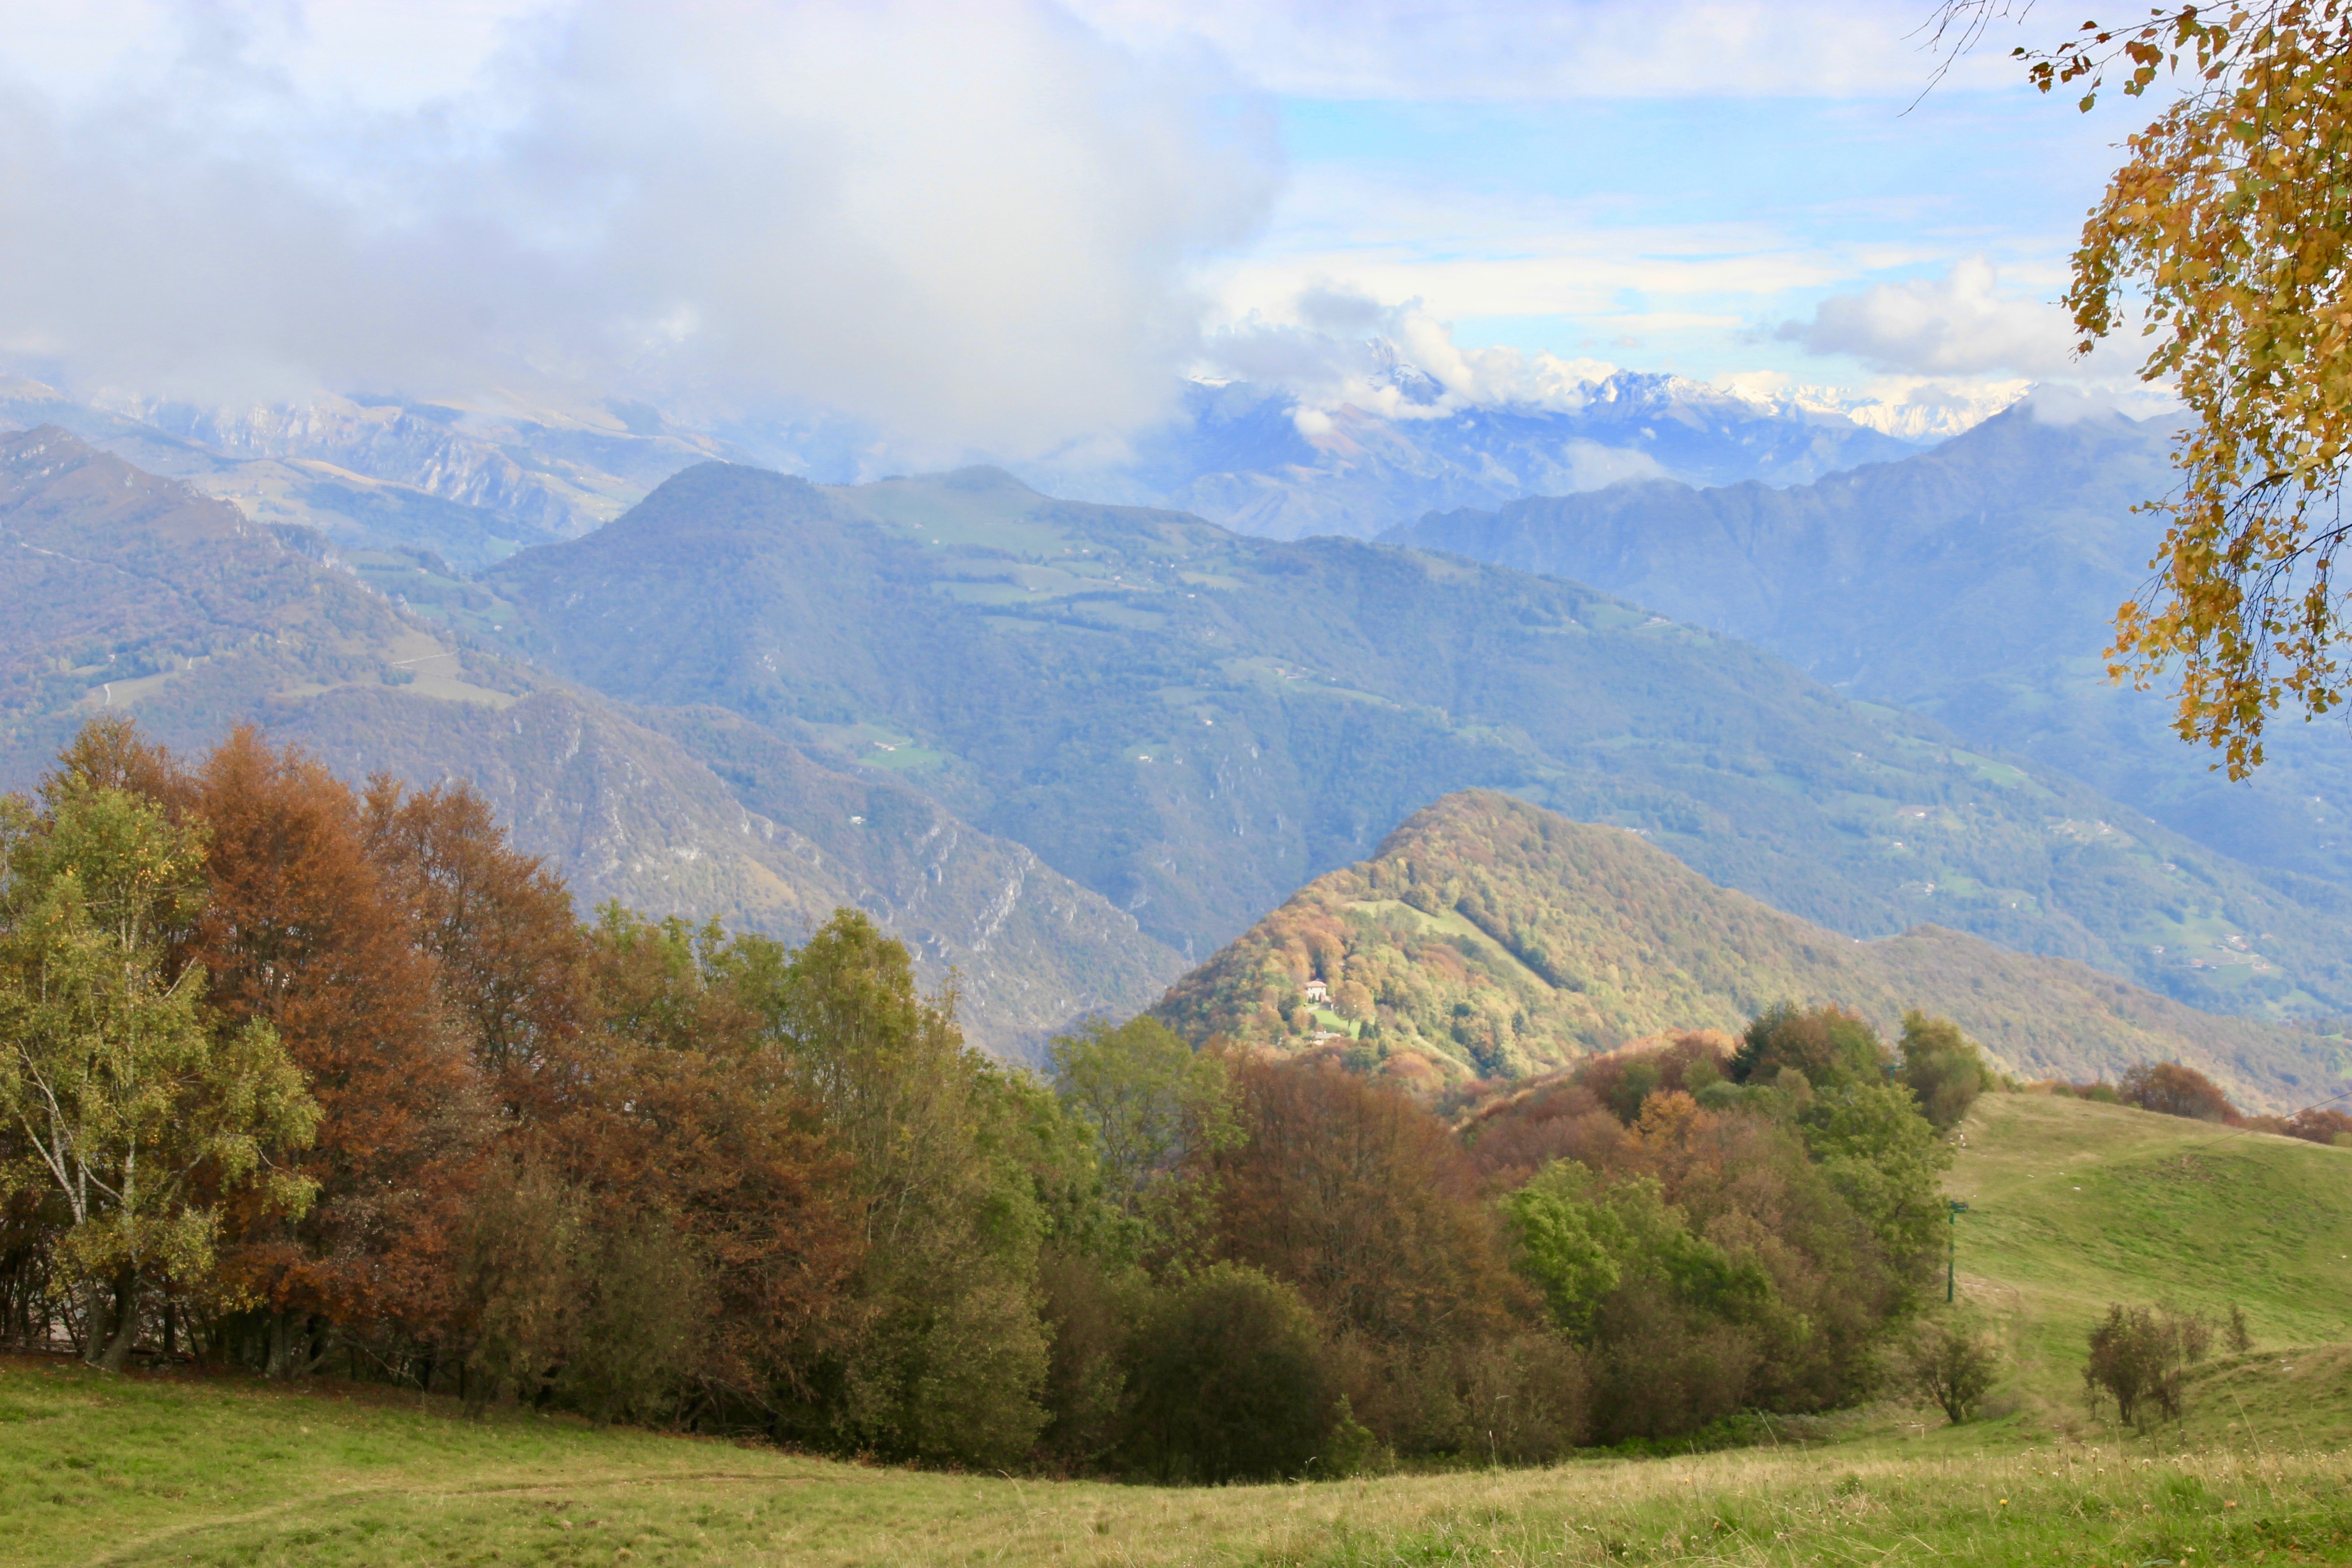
[(1885, 1160), (517, 1275), (1943, 1068), (1952, 1364), (121, 1093), (1830, 1046), (2139, 1358), (1229, 1381), (1580, 1241), (947, 1354), (1154, 1107), (1569, 1247)]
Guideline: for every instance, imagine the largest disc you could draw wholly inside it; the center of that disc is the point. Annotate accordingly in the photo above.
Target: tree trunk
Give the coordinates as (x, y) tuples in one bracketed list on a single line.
[(126, 1323), (282, 1345), (94, 1323)]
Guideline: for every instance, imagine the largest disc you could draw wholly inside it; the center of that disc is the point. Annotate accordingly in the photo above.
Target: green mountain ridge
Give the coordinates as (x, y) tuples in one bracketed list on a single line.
[(1195, 723), (1976, 583), (135, 592), (1490, 937)]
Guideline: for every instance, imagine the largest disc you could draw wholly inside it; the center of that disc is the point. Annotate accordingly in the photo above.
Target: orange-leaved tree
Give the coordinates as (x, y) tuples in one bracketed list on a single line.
[(304, 931)]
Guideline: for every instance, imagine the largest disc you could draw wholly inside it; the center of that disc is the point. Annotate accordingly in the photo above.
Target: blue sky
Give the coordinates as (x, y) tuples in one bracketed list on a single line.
[(1617, 213), (1012, 221)]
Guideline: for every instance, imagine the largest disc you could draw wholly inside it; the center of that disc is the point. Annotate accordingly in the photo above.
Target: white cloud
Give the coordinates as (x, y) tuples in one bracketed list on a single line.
[(971, 222), (1959, 324), (1336, 346), (1573, 48)]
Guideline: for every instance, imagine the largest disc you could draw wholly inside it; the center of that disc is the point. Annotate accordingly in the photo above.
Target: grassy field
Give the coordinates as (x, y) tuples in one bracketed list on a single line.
[(151, 1469), (2074, 1206)]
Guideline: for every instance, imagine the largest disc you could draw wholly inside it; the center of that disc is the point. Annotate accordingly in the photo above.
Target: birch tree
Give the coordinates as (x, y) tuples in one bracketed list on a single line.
[(2226, 237), (118, 1092)]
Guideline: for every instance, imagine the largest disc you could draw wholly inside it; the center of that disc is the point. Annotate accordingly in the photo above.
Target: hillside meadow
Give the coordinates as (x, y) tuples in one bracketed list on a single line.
[(152, 1468), (2073, 1206)]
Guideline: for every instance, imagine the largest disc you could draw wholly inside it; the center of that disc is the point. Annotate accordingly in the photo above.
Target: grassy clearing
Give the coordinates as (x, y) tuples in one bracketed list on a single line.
[(146, 1469), (2074, 1206), (149, 1472)]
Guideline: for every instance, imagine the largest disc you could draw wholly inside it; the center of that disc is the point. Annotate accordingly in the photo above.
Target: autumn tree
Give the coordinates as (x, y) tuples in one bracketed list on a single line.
[(713, 1203), (304, 933), (498, 924), (1365, 1202), (2171, 1090), (119, 1089), (2228, 232)]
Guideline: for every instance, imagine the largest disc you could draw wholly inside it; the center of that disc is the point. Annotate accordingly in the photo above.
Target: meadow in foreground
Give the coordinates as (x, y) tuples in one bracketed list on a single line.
[(141, 1470)]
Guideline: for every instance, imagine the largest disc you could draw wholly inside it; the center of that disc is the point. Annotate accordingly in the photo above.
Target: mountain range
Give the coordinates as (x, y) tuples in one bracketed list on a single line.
[(1257, 460), (1193, 722), (1976, 583), (471, 482), (1068, 749), (129, 592)]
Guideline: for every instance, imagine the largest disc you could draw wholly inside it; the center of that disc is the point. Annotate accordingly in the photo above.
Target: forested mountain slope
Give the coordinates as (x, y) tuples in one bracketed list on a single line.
[(1488, 936), (1976, 583), (126, 591), (1195, 723)]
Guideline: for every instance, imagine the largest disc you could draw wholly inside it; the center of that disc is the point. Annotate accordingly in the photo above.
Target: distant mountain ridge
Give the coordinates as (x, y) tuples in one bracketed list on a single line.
[(472, 483), (1976, 583), (1488, 937), (1258, 460), (129, 592), (1194, 724)]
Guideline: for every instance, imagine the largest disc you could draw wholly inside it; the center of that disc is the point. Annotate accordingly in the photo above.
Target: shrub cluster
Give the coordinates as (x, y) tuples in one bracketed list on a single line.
[(2169, 1089)]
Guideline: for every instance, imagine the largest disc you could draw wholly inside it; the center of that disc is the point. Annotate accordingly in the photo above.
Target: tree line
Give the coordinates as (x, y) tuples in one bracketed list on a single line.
[(2169, 1089), (313, 1080)]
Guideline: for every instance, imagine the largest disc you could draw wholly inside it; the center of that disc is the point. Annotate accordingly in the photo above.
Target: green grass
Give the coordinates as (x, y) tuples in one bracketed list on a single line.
[(2074, 1206), (149, 1469)]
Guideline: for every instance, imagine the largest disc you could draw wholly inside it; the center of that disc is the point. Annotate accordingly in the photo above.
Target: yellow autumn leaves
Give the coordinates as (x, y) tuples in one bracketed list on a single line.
[(2225, 232)]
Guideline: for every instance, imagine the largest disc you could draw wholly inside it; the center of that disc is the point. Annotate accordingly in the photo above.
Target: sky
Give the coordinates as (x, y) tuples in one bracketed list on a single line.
[(1015, 225)]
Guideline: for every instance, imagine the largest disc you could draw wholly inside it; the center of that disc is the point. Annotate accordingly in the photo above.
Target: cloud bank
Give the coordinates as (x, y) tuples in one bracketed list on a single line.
[(970, 222), (1336, 346), (1959, 324)]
